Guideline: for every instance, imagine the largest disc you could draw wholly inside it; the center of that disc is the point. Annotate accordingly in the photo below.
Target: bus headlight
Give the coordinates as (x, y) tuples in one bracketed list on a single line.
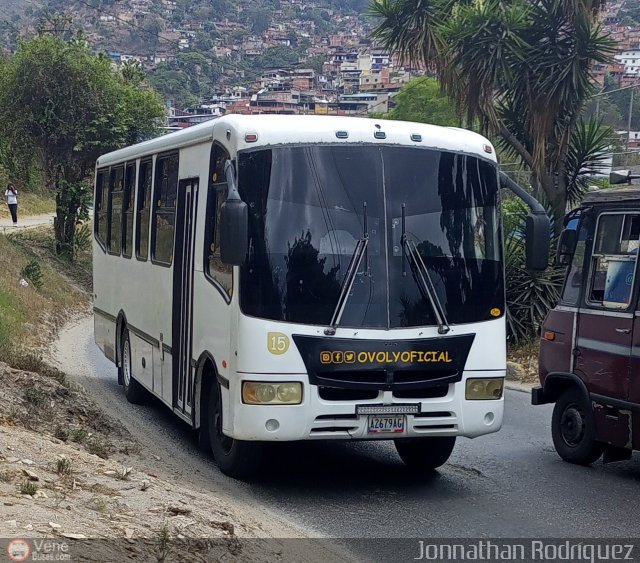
[(259, 393), (484, 389)]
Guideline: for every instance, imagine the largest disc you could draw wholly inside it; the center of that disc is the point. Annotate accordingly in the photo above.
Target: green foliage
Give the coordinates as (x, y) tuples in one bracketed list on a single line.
[(521, 69), (33, 273), (530, 295), (422, 100), (186, 79), (28, 488), (590, 144), (63, 106)]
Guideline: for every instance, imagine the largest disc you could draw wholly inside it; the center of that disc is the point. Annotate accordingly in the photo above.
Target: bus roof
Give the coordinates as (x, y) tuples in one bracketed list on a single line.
[(301, 129), (613, 195)]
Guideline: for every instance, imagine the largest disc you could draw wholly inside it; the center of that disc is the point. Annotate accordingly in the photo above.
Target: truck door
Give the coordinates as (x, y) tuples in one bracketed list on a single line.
[(606, 322), (634, 381), (605, 326)]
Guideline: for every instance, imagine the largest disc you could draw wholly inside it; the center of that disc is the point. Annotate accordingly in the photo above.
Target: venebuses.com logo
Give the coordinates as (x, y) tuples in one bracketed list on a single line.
[(18, 550)]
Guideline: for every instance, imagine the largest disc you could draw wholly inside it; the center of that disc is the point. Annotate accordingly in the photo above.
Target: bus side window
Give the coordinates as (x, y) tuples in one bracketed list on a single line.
[(143, 210), (116, 187), (127, 210), (101, 207), (614, 260), (165, 194), (214, 269)]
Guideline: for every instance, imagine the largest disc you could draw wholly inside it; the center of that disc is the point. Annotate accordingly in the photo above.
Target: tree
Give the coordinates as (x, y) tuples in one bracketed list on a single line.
[(518, 68), (64, 107), (422, 100)]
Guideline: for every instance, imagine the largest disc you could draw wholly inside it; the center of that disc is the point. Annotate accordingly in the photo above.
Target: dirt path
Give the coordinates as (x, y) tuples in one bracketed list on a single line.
[(6, 225), (168, 451)]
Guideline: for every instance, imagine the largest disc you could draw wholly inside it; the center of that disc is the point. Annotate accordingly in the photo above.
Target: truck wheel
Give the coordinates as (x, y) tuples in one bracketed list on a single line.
[(235, 458), (426, 453), (133, 391), (573, 428)]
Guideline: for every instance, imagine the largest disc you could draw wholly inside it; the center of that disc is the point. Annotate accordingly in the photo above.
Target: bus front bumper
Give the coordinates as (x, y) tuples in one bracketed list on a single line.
[(317, 418)]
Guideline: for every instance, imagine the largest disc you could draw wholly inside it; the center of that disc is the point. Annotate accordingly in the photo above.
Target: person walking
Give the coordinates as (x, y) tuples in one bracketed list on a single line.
[(12, 201)]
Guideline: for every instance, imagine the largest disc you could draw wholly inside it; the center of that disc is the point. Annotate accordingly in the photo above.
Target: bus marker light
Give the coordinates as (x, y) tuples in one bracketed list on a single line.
[(489, 389), (342, 134), (549, 335), (488, 149), (495, 312), (380, 135), (224, 364), (250, 138), (259, 393)]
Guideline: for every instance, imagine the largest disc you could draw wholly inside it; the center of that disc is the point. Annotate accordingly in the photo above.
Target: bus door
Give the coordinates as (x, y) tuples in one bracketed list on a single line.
[(606, 323), (182, 323)]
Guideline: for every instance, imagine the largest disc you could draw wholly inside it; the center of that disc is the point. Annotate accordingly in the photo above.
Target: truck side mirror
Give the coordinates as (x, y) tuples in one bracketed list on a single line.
[(566, 247), (537, 242), (234, 223)]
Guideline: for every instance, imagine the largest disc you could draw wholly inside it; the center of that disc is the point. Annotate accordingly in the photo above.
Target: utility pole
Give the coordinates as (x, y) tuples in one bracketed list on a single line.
[(629, 122)]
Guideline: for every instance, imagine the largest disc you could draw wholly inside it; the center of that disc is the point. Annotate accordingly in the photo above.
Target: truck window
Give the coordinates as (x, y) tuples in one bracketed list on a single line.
[(575, 275), (615, 253)]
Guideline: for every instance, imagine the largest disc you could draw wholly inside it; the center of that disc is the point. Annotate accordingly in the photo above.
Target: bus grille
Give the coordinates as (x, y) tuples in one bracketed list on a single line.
[(399, 381)]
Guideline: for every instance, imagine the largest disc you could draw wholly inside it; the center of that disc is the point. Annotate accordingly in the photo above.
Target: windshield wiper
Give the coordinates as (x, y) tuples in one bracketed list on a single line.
[(422, 278), (350, 277)]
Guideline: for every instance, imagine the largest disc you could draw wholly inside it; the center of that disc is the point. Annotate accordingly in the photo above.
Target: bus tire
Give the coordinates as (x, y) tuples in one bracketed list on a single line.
[(425, 454), (573, 428), (133, 391), (235, 458)]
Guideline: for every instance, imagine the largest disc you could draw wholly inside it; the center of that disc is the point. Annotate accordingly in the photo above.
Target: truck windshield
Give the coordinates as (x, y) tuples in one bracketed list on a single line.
[(307, 215)]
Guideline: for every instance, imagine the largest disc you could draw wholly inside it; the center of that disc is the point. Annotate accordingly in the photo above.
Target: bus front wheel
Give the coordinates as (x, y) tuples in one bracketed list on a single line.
[(133, 391), (426, 453), (235, 458), (573, 428)]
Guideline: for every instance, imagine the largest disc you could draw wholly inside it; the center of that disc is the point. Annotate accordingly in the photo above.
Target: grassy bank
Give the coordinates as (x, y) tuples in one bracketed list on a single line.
[(29, 204), (30, 315)]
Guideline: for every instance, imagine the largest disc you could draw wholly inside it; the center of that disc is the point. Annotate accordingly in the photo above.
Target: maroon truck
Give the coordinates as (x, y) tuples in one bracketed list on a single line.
[(590, 346)]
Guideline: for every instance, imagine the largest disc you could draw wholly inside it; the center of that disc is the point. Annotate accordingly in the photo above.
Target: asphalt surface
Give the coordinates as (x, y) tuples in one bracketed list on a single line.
[(509, 484)]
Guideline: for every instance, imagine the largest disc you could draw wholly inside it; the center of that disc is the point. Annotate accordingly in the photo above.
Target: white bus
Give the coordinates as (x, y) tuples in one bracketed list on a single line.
[(281, 278)]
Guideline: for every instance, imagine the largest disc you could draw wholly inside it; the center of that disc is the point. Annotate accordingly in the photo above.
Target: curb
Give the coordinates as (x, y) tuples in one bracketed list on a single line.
[(521, 387)]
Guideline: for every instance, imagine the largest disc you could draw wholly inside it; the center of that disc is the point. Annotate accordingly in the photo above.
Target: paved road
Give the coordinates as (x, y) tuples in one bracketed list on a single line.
[(509, 484)]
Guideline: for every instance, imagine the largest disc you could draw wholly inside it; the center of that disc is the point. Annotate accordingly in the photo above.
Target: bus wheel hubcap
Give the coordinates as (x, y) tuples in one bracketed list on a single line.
[(572, 426)]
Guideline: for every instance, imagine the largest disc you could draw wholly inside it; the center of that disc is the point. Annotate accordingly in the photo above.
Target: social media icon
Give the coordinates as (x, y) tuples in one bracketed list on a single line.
[(337, 357), (349, 357), (325, 357)]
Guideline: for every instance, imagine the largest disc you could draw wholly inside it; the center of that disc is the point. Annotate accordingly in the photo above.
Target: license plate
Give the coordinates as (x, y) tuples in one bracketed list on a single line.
[(382, 424)]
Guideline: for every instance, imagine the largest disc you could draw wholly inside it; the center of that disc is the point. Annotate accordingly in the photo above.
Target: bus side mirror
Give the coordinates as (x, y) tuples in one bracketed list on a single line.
[(234, 223), (537, 242), (566, 247)]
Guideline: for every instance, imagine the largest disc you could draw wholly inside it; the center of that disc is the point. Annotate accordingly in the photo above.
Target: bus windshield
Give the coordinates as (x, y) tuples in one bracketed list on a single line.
[(310, 205)]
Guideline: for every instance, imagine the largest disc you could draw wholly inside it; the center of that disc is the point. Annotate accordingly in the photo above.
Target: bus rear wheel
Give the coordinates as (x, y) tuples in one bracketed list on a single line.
[(235, 458), (573, 428), (133, 391), (425, 454)]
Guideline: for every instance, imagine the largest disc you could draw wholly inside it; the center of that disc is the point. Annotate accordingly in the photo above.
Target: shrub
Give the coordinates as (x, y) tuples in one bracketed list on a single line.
[(32, 272)]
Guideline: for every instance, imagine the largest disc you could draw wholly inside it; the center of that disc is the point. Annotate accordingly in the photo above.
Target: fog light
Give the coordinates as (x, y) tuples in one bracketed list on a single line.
[(259, 393), (484, 389), (272, 425)]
